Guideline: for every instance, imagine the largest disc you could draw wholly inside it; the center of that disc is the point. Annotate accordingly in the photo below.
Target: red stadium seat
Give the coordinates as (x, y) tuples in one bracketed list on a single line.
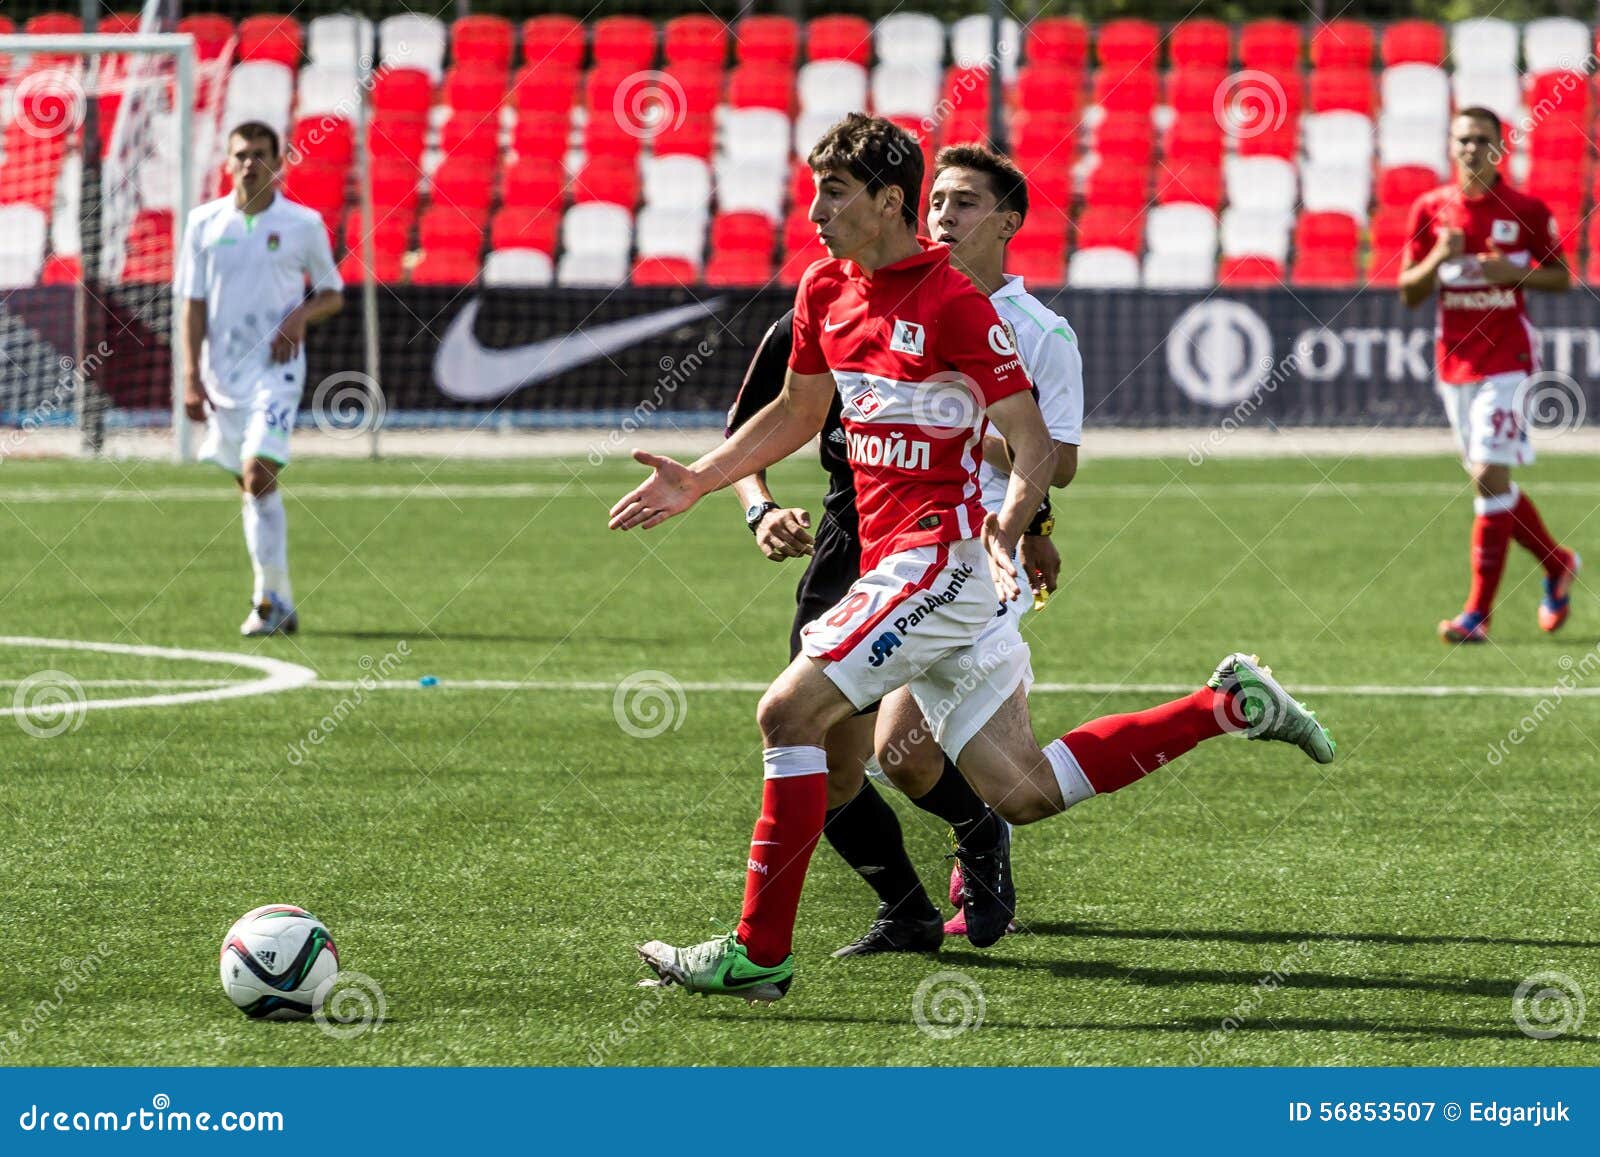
[(1401, 185), (1325, 269), (522, 227), (1125, 139), (1128, 45), (1270, 46), (402, 92), (625, 40), (839, 38), (1125, 91), (319, 186), (53, 24), (1050, 193), (1044, 138), (532, 183), (1058, 40), (545, 89), (466, 182), (802, 185), (1269, 140), (1200, 44), (1114, 228), (767, 40), (474, 91), (1249, 273), (608, 86), (274, 38), (59, 270), (687, 136), (738, 269), (446, 226), (761, 86), (1189, 182), (611, 181), (798, 231), (394, 184), (391, 237), (321, 140), (484, 42), (472, 134), (541, 137), (211, 33), (607, 137), (1343, 90), (1196, 90), (387, 269), (695, 39), (751, 232), (1195, 136), (551, 41), (1037, 267), (1559, 97), (1388, 226), (664, 271), (1048, 88), (1326, 231), (1413, 42), (1117, 185), (1342, 44), (447, 267)]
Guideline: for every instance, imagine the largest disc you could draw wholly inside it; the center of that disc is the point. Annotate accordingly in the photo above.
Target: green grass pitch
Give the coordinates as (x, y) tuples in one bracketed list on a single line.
[(491, 855)]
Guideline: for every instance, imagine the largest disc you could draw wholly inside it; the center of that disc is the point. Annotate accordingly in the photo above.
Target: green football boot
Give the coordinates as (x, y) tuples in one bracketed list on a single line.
[(719, 967), (1267, 710)]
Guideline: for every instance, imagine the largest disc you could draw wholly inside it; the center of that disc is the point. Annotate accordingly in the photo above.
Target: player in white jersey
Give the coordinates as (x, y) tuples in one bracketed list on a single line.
[(243, 272)]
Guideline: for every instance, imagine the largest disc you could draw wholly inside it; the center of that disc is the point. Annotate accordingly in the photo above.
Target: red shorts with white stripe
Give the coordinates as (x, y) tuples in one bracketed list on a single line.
[(927, 618)]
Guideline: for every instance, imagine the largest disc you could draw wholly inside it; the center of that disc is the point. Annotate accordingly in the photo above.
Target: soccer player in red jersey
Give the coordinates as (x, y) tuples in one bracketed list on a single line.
[(921, 363), (1479, 243)]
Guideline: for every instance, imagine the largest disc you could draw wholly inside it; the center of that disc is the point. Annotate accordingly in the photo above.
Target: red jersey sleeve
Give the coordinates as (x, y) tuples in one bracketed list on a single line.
[(806, 355), (1419, 228), (1544, 242), (974, 342)]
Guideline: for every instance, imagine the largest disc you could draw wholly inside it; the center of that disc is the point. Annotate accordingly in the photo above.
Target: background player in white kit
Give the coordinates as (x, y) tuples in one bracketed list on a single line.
[(243, 273)]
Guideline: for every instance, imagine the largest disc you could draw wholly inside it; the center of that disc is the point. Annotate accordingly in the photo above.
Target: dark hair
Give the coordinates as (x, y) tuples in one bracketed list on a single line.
[(1478, 113), (1009, 185), (256, 131), (878, 153)]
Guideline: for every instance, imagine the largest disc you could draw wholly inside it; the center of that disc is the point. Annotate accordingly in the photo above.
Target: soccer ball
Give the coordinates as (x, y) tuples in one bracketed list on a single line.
[(276, 962)]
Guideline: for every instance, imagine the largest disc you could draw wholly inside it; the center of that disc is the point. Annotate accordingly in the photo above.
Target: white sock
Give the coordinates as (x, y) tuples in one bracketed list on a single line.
[(266, 533), (1074, 785), (1499, 504)]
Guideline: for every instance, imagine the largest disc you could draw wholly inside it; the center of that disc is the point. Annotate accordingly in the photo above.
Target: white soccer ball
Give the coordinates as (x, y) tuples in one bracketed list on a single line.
[(276, 960)]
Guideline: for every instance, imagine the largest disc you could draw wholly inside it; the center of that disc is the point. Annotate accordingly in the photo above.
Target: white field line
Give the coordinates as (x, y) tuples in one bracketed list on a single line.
[(1174, 489)]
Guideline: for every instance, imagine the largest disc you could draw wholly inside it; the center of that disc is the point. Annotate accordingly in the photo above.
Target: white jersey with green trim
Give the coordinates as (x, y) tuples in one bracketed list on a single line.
[(251, 270), (1050, 354)]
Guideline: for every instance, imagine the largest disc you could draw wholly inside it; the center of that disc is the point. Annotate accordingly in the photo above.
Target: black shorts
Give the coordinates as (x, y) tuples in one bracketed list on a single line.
[(835, 564)]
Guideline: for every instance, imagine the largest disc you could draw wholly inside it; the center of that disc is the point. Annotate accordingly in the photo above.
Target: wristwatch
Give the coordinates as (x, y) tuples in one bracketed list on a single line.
[(754, 515), (1044, 521)]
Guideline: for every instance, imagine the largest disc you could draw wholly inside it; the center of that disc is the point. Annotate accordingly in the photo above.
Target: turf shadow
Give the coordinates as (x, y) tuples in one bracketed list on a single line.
[(1251, 936)]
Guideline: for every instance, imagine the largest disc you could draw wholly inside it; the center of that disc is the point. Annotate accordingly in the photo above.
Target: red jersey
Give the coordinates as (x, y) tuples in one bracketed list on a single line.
[(916, 353), (1483, 329)]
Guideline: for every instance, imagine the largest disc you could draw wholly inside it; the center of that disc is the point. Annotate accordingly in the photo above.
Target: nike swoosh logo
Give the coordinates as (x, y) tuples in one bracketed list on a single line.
[(763, 843), (831, 326), (468, 371)]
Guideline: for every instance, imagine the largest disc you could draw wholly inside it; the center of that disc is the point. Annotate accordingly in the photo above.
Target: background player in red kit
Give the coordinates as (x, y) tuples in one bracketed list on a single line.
[(1479, 243)]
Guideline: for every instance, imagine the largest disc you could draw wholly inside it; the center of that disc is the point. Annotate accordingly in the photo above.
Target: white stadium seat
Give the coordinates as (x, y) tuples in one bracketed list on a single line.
[(1336, 188), (1103, 269), (909, 90), (339, 40), (1499, 91), (259, 90), (596, 227), (659, 232), (66, 227), (1483, 44), (808, 130), (518, 267), (1181, 230), (910, 38), (606, 270), (411, 40), (751, 187), (1337, 138), (1408, 141), (1179, 271), (971, 44), (1260, 183), (23, 230), (755, 134), (1556, 42), (676, 182), (832, 86), (328, 90), (1416, 90), (1253, 233)]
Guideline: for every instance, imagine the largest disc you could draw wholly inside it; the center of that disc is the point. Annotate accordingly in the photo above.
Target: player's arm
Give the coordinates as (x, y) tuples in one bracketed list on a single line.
[(997, 452), (781, 533), (778, 430), (191, 288), (1020, 422), (327, 297), (1419, 270), (1547, 270)]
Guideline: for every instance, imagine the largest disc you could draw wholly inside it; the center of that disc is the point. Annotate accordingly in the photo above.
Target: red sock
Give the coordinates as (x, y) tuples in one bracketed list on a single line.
[(794, 803), (1530, 532), (1116, 750), (1491, 534)]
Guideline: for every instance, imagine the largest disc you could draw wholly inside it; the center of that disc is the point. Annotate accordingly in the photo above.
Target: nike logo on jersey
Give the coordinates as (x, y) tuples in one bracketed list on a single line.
[(468, 371), (830, 326)]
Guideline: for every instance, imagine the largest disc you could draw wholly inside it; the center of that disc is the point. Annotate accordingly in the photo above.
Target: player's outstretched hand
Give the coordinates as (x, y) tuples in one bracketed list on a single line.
[(1041, 562), (194, 402), (288, 339), (784, 534), (670, 490), (1001, 567)]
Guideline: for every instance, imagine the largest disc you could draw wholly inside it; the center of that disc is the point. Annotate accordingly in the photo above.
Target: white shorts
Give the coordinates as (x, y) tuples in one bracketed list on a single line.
[(926, 618), (1489, 420), (260, 428)]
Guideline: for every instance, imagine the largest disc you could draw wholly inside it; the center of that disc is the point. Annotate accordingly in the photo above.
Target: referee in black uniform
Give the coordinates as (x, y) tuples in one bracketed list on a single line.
[(861, 825)]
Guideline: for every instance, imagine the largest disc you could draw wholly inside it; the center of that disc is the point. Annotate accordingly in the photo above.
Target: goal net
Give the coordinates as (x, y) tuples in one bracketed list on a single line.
[(108, 140)]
